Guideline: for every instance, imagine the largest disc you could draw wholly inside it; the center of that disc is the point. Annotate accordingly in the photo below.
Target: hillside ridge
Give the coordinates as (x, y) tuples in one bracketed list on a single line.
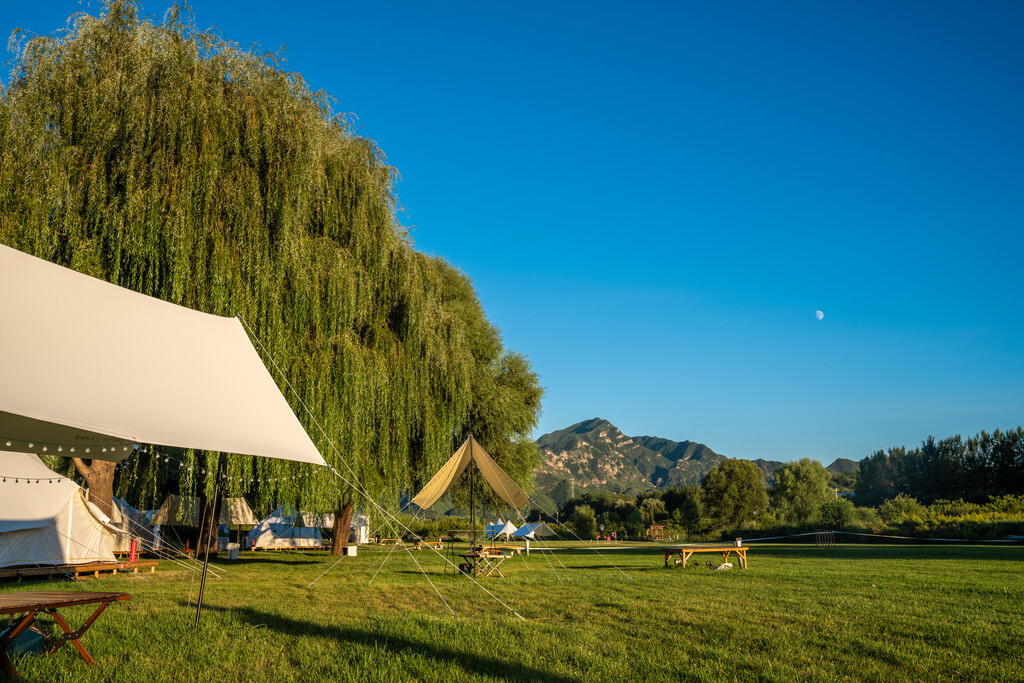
[(594, 455)]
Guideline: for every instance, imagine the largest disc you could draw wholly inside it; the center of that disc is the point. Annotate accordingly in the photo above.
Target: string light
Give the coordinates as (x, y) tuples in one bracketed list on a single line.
[(83, 479)]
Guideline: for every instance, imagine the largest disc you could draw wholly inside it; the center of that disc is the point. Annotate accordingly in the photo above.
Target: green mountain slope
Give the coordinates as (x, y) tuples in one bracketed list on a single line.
[(594, 455)]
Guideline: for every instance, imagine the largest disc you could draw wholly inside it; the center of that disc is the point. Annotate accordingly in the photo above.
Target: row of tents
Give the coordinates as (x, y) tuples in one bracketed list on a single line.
[(47, 519)]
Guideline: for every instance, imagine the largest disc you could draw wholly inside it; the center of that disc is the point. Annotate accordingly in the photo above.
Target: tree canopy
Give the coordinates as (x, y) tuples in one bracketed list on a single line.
[(800, 489), (734, 492), (172, 162)]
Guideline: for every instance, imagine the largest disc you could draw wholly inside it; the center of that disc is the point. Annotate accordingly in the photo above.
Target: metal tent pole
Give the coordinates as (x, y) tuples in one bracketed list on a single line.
[(209, 537)]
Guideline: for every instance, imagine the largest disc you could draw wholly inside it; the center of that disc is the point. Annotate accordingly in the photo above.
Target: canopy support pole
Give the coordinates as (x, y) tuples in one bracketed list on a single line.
[(472, 506), (214, 523)]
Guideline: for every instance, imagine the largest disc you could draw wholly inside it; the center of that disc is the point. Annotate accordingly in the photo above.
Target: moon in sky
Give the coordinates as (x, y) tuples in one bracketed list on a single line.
[(819, 315)]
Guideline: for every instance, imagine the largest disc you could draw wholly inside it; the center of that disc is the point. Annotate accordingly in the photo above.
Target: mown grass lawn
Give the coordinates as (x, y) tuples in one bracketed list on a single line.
[(857, 612)]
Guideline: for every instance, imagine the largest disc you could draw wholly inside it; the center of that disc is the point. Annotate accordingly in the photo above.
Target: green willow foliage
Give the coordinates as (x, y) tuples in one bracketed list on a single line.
[(172, 162)]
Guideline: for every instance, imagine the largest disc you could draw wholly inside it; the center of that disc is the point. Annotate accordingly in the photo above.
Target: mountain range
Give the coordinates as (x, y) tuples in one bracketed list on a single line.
[(594, 455)]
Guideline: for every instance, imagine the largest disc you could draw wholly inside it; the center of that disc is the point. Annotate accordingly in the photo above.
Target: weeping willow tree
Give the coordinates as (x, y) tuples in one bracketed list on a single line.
[(505, 393), (172, 162)]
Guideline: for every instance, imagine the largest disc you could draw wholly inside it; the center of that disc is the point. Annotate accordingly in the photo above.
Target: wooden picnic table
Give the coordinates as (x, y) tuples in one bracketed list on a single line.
[(484, 563), (31, 603), (685, 551), (507, 549)]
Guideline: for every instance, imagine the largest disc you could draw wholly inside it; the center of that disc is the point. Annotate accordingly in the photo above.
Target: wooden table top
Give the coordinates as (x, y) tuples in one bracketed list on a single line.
[(13, 603)]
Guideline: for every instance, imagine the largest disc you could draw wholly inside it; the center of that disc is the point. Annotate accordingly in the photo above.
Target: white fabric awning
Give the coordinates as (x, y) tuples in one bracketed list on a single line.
[(87, 364)]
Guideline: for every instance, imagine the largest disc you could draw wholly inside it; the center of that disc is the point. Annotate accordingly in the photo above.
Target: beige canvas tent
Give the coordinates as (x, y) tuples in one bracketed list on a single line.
[(45, 518), (177, 511), (471, 451), (73, 347)]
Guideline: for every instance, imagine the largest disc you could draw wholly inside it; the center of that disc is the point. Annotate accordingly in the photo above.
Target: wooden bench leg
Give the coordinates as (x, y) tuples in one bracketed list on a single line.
[(70, 636), (5, 661)]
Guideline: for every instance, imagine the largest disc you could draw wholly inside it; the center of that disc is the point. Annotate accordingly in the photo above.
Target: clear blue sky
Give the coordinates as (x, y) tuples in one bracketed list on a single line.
[(654, 199)]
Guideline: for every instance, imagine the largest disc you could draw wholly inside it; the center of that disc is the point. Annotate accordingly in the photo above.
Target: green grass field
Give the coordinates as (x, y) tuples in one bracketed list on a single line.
[(857, 612)]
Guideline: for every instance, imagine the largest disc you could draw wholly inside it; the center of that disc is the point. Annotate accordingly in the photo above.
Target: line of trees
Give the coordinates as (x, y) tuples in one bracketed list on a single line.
[(973, 469), (953, 484)]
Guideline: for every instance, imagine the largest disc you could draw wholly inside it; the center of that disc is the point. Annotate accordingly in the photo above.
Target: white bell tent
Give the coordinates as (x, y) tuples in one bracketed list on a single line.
[(279, 530), (45, 518)]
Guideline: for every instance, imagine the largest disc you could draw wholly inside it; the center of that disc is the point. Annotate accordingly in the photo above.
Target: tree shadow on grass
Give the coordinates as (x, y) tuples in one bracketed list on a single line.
[(470, 662), (883, 551), (242, 561)]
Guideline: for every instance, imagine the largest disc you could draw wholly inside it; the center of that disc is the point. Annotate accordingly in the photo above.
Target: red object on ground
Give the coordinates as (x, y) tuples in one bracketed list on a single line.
[(133, 554)]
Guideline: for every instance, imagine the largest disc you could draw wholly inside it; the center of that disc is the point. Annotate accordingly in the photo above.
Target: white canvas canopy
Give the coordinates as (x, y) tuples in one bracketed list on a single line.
[(91, 369), (278, 530), (50, 522), (534, 530), (506, 530), (233, 511), (449, 473)]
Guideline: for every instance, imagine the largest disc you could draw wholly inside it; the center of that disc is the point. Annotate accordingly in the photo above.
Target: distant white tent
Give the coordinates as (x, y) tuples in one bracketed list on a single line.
[(233, 512), (359, 528), (135, 525), (278, 530), (45, 518), (499, 528), (70, 351), (534, 530)]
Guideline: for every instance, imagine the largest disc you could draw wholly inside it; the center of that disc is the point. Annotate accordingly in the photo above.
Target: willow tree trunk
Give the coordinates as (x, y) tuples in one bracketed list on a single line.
[(342, 524), (99, 478)]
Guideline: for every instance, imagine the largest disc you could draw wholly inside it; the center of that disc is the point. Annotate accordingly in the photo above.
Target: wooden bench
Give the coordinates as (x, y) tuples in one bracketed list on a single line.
[(76, 570), (686, 551), (437, 545)]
